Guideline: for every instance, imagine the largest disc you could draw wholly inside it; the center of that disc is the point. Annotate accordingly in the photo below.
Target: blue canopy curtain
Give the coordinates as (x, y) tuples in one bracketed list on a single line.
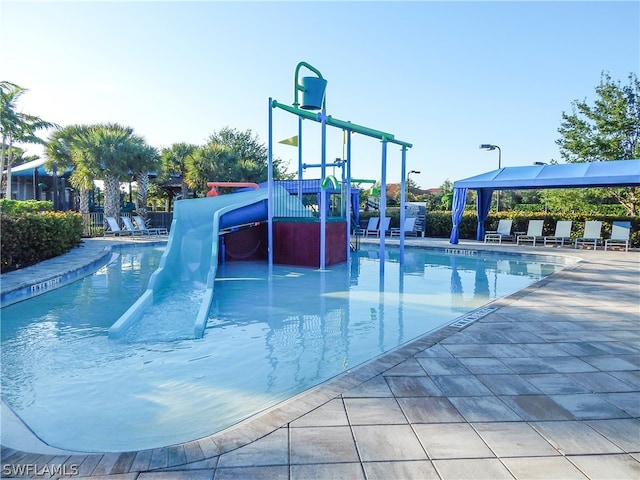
[(457, 209), (484, 204)]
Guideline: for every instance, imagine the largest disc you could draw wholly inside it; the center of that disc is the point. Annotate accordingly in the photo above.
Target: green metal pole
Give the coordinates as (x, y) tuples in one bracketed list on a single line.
[(334, 122)]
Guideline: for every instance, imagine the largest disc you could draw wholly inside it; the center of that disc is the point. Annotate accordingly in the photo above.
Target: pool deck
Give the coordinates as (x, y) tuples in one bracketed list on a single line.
[(546, 385)]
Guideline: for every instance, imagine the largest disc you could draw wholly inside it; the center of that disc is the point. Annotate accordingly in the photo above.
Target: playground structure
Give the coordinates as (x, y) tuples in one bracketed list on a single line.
[(313, 233), (309, 97)]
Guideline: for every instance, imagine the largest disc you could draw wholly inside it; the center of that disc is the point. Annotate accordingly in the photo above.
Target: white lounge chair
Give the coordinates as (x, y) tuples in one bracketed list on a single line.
[(562, 234), (409, 228), (502, 233), (620, 234), (144, 229), (592, 234), (534, 233), (372, 226), (113, 228), (129, 227)]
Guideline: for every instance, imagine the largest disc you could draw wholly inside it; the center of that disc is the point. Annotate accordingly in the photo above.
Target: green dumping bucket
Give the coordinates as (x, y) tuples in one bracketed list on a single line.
[(313, 89)]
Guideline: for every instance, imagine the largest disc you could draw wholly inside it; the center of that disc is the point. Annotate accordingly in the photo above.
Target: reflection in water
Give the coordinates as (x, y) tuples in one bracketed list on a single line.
[(267, 338)]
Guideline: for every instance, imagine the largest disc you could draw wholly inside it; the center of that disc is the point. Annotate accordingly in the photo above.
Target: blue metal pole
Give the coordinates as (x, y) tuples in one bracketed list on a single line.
[(403, 201), (300, 159), (323, 192), (349, 203), (270, 189), (383, 203)]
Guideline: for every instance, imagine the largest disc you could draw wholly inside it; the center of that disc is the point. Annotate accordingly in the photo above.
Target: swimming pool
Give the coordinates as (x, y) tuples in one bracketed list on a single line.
[(266, 340)]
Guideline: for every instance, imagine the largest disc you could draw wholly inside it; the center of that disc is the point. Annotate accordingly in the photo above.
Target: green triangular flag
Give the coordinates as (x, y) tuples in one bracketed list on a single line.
[(293, 141)]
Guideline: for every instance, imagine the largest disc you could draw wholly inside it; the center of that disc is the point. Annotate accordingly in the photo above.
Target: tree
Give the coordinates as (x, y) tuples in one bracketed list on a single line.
[(174, 161), (16, 127), (144, 159), (69, 148), (608, 130), (212, 162), (112, 146), (251, 156)]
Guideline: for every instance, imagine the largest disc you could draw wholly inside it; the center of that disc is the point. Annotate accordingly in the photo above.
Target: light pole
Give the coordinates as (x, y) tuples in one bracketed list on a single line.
[(417, 172), (488, 147)]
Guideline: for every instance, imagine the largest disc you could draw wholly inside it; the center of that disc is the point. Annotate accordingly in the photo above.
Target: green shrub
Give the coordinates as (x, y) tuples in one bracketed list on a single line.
[(29, 238), (16, 207)]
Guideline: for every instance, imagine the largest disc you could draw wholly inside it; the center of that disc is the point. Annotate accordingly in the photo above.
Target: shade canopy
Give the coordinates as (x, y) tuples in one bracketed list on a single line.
[(27, 169), (620, 173), (567, 175)]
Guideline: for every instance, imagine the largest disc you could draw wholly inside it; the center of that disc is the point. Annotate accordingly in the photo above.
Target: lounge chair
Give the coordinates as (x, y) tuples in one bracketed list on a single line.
[(592, 234), (128, 226), (409, 228), (502, 233), (383, 228), (142, 226), (113, 228), (534, 233), (561, 235), (372, 226), (620, 234)]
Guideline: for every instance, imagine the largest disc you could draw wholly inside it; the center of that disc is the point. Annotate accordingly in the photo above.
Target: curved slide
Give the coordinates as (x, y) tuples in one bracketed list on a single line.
[(191, 256)]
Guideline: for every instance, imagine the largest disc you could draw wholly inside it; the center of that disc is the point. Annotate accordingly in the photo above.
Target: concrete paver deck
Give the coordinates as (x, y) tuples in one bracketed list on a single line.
[(547, 385)]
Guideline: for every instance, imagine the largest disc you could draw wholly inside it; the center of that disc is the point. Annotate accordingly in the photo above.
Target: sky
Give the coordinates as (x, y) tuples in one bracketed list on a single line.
[(443, 76)]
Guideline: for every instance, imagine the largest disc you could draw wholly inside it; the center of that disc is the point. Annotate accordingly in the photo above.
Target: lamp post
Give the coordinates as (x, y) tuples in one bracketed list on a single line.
[(417, 172), (488, 147)]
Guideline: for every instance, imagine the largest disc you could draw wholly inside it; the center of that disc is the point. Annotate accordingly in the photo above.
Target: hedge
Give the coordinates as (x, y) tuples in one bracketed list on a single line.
[(16, 207), (29, 238)]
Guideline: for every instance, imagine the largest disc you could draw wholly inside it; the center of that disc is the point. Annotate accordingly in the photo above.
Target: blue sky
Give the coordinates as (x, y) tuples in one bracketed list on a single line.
[(444, 76)]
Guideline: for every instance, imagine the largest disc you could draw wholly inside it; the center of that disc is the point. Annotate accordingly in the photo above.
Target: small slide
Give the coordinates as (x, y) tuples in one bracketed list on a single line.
[(190, 261)]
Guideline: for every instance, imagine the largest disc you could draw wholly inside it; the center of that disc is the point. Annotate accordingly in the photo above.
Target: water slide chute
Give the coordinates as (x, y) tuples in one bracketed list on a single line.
[(191, 254)]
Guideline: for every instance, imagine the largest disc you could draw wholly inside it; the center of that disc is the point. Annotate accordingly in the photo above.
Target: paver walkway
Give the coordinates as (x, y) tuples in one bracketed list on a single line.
[(545, 386)]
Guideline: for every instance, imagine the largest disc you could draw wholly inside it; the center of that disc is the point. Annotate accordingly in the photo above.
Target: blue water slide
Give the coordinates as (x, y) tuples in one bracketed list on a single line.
[(191, 255)]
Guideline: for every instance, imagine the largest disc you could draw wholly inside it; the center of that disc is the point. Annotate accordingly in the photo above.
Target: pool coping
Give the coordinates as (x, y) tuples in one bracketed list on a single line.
[(30, 286)]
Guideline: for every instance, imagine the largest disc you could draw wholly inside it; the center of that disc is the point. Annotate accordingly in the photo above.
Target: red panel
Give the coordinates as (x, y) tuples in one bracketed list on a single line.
[(299, 243), (247, 244)]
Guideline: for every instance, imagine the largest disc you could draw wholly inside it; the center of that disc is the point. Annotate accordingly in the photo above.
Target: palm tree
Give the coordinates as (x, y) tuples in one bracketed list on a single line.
[(175, 160), (213, 162), (144, 159), (15, 127), (110, 146), (68, 149)]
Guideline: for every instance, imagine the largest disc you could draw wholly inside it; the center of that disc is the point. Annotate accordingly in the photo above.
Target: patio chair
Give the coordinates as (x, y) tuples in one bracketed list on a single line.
[(592, 234), (113, 228), (129, 227), (142, 226), (383, 228), (561, 235), (502, 233), (620, 234), (372, 226), (534, 233), (409, 228)]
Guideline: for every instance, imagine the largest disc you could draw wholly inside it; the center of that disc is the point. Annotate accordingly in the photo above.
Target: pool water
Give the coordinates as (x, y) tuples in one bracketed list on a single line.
[(269, 336)]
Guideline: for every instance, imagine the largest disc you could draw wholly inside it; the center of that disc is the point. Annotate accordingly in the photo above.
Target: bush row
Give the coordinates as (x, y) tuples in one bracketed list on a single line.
[(16, 207), (439, 224), (29, 238)]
